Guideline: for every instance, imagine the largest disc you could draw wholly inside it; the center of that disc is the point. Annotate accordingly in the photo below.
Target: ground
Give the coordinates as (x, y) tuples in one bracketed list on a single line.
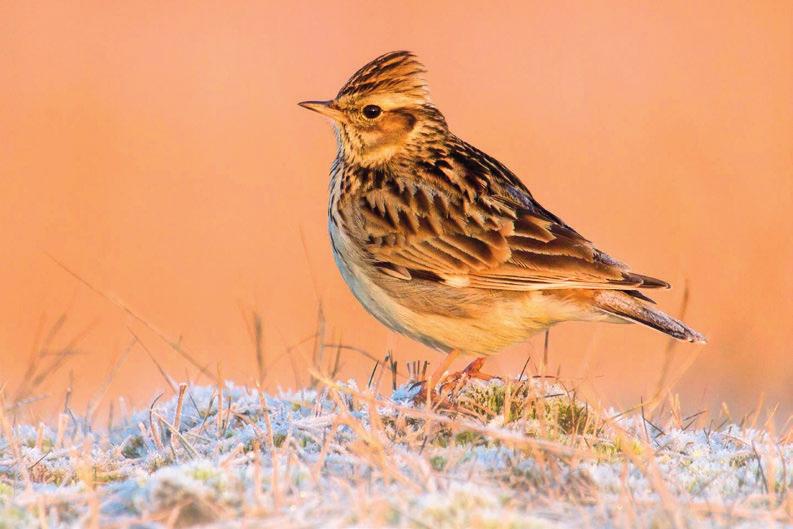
[(524, 454)]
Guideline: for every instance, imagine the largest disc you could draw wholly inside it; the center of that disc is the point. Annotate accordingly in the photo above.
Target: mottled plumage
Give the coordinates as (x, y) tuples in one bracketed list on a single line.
[(443, 243)]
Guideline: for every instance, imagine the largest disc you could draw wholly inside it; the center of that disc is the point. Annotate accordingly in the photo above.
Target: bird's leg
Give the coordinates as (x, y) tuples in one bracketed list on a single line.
[(472, 370), (428, 385), (440, 372)]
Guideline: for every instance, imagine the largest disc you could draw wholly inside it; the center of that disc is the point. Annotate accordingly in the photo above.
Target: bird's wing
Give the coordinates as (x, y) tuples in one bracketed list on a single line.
[(502, 241)]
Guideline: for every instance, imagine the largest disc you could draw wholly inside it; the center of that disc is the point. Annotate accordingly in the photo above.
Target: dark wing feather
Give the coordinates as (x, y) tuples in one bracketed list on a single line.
[(471, 222)]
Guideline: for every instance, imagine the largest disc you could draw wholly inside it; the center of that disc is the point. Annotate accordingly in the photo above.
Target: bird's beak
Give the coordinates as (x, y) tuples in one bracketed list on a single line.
[(326, 108)]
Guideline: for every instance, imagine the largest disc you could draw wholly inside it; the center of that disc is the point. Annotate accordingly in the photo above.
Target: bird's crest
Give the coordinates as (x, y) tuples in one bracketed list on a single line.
[(397, 72)]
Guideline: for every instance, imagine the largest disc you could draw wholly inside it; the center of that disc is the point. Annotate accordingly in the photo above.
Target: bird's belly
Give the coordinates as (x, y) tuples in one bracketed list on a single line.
[(472, 321), (365, 291)]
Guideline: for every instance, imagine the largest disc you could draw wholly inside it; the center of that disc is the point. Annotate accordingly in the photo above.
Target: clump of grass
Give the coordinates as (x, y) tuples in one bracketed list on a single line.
[(548, 405), (527, 454)]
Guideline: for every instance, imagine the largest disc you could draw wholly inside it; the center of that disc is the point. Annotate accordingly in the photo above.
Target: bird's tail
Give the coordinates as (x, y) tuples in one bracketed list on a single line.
[(626, 306)]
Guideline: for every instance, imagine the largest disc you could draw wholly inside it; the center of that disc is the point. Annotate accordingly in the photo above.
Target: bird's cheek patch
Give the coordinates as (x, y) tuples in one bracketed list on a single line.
[(403, 120), (391, 130), (398, 124)]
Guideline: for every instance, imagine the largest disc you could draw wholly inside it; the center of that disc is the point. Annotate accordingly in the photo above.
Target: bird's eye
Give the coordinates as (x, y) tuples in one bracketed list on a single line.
[(371, 111)]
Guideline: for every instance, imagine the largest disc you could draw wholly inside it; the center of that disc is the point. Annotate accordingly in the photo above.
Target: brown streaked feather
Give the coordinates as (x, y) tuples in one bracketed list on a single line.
[(396, 72), (624, 305), (501, 240)]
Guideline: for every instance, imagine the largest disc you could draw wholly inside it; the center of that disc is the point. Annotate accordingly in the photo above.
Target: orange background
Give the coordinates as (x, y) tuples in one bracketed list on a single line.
[(156, 148)]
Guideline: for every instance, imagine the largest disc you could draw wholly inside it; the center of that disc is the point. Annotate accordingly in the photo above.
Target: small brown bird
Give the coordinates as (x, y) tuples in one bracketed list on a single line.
[(441, 242)]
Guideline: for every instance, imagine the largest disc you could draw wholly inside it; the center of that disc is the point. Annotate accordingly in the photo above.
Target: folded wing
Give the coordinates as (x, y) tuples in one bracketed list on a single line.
[(494, 238)]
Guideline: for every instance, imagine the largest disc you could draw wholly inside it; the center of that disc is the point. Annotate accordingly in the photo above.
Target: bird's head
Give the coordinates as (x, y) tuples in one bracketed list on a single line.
[(383, 110)]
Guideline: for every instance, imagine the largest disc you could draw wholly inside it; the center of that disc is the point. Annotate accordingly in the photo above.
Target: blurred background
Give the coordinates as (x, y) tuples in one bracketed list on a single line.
[(156, 149)]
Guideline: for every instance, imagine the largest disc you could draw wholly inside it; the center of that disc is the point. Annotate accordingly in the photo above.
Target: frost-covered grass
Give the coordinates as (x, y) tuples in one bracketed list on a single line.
[(526, 454)]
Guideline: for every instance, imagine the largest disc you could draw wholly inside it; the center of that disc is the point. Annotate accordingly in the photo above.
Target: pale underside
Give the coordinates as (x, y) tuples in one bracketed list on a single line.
[(471, 320)]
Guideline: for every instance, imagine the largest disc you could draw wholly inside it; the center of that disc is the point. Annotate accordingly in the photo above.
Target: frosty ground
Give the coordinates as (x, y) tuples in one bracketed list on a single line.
[(522, 454)]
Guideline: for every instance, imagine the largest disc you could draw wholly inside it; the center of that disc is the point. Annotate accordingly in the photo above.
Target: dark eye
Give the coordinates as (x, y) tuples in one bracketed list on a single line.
[(372, 111)]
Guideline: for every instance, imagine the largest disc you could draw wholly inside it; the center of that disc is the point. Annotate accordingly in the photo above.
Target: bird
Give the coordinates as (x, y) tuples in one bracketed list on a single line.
[(443, 243)]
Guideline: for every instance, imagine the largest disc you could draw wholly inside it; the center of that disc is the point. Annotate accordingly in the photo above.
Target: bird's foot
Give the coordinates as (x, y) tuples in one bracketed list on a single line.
[(422, 387), (450, 382), (473, 370)]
